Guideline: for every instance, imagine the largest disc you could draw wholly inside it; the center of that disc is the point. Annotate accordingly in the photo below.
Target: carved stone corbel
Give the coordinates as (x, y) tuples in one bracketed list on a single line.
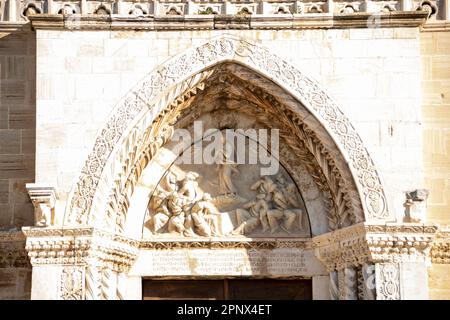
[(416, 205), (44, 199)]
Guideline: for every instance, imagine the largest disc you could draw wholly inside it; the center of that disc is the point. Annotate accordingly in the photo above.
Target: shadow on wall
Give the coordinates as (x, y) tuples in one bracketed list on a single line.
[(17, 156), (17, 126)]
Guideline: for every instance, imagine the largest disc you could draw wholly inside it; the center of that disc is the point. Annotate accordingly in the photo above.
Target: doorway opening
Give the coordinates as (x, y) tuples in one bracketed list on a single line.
[(228, 289)]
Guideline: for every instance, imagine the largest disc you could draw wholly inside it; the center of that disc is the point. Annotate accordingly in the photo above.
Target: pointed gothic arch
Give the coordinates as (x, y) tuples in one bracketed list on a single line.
[(142, 122)]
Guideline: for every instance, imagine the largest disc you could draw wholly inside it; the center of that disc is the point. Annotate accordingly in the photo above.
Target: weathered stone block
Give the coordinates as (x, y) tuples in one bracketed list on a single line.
[(16, 166), (4, 191), (10, 141)]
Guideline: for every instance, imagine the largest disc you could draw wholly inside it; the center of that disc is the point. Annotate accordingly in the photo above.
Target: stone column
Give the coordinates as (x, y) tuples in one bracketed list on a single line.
[(80, 263), (376, 261), (334, 286), (368, 287)]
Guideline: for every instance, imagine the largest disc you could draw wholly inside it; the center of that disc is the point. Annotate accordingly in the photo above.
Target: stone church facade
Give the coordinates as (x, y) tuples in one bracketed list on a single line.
[(95, 204)]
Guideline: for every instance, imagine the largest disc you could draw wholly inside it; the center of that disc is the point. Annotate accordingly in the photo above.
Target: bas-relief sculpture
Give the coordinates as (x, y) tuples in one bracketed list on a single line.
[(183, 208), (226, 200)]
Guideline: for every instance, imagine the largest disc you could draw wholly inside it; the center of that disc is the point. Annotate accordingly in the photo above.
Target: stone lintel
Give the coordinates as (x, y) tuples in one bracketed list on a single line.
[(211, 22)]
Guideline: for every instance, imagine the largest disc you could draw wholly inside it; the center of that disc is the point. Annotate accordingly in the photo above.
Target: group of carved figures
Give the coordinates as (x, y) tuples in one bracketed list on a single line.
[(182, 208), (275, 206)]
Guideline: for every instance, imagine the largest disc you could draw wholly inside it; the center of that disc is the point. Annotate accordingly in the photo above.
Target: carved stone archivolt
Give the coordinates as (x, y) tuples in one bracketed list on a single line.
[(148, 101)]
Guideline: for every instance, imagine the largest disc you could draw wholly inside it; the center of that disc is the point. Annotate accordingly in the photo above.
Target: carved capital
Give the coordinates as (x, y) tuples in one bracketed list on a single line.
[(375, 243), (82, 246), (44, 199)]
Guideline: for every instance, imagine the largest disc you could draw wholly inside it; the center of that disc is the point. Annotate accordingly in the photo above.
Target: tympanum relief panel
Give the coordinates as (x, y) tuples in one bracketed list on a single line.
[(228, 180)]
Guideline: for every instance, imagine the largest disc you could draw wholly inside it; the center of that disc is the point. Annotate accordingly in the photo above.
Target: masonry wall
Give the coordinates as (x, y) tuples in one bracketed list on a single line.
[(17, 126), (17, 157), (435, 50)]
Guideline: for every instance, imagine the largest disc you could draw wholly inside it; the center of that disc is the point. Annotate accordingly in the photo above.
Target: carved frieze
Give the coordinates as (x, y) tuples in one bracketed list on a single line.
[(78, 246), (364, 243)]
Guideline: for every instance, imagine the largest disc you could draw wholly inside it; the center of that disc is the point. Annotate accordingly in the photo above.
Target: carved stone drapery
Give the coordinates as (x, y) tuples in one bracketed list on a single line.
[(144, 100)]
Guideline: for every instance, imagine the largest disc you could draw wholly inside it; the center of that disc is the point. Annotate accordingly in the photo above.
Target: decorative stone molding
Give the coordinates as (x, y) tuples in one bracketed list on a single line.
[(416, 206), (189, 65), (21, 10), (44, 199), (72, 283), (80, 247), (221, 22), (388, 281), (440, 252), (12, 250), (218, 243), (373, 243)]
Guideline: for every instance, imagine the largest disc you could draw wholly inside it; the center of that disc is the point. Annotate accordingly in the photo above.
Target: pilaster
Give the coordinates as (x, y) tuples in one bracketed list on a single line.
[(77, 264), (382, 261)]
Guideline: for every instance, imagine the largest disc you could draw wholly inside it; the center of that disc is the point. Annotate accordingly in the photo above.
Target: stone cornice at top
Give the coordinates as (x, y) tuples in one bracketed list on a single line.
[(221, 22)]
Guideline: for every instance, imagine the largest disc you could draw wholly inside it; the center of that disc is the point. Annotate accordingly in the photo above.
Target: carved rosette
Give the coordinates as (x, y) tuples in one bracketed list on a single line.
[(189, 65)]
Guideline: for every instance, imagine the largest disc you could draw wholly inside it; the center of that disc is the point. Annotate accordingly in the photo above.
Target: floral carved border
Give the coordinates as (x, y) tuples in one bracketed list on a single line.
[(146, 94)]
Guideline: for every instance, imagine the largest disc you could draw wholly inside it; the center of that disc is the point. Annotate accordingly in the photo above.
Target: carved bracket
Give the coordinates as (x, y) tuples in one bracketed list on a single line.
[(440, 252), (80, 246), (44, 199), (416, 205)]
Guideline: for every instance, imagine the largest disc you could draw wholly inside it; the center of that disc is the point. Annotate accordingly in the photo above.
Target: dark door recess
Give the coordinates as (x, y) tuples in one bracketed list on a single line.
[(233, 289)]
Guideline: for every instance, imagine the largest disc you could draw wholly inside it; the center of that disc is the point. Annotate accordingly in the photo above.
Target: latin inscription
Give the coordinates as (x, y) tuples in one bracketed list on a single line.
[(283, 262)]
